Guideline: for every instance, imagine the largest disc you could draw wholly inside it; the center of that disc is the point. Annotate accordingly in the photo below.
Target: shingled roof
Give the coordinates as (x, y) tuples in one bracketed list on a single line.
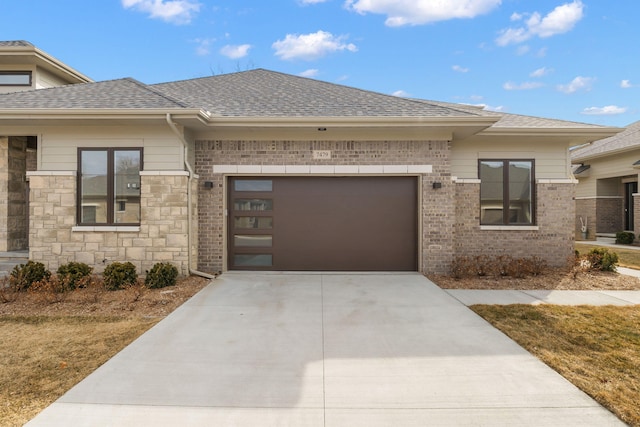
[(263, 93), (112, 94), (625, 140)]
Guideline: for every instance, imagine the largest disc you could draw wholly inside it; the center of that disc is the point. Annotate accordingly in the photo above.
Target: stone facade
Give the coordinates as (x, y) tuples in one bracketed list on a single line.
[(437, 204), (13, 194), (552, 240), (161, 236)]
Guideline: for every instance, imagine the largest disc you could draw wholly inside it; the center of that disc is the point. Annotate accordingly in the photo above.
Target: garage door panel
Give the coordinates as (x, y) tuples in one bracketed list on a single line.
[(338, 224)]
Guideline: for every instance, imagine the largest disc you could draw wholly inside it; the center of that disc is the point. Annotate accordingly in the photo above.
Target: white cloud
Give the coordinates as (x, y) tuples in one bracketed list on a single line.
[(235, 52), (540, 72), (401, 94), (175, 11), (417, 12), (460, 69), (305, 2), (497, 109), (522, 86), (626, 84), (311, 46), (311, 72), (608, 110), (522, 50), (579, 83), (560, 20), (203, 47)]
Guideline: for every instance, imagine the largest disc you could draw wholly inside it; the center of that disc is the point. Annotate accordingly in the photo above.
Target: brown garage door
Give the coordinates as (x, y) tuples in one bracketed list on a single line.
[(323, 223)]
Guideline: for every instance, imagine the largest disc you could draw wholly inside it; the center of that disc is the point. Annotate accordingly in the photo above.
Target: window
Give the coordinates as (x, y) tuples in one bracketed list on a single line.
[(507, 195), (15, 78), (109, 186)]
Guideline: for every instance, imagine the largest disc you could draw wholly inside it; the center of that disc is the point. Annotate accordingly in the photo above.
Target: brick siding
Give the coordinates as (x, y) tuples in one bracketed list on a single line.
[(437, 204)]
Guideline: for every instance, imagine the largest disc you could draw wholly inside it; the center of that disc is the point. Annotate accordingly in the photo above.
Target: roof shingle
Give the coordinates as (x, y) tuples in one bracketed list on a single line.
[(629, 138)]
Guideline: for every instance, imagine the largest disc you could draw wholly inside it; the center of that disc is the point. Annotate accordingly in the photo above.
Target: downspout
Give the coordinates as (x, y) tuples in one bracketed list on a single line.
[(177, 132)]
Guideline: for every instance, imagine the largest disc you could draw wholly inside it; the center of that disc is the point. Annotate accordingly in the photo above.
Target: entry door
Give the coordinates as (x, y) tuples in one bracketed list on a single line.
[(323, 223), (629, 189)]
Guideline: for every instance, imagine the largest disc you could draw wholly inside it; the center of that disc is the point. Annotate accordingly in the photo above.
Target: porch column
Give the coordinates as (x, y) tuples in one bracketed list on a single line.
[(13, 194)]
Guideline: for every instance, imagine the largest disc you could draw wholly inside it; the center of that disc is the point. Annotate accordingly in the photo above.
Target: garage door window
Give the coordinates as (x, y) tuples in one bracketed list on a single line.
[(251, 223)]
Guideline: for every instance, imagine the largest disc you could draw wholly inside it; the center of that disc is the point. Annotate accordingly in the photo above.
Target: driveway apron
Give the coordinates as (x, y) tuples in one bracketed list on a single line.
[(324, 349)]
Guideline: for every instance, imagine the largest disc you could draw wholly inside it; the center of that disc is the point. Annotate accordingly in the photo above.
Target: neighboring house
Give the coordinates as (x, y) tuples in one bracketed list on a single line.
[(607, 196), (267, 171)]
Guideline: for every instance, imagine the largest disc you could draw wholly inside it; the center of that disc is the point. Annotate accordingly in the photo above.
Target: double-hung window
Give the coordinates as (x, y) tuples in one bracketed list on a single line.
[(507, 192), (109, 186)]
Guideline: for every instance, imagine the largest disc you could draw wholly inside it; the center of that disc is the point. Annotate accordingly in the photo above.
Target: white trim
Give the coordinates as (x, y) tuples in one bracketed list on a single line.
[(509, 227), (557, 181), (466, 181), (107, 228), (635, 194), (51, 173), (322, 169), (598, 197), (164, 173)]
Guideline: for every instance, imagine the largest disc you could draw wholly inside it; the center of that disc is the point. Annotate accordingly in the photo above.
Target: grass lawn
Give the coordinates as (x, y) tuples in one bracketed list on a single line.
[(596, 348), (628, 257), (44, 356)]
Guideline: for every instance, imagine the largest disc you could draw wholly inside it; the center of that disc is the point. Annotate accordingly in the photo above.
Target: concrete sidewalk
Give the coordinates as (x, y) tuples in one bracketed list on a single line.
[(324, 350)]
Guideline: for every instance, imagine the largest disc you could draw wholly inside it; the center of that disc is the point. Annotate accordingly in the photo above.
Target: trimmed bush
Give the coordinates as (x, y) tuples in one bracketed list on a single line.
[(625, 238), (24, 275), (603, 260), (117, 275), (161, 275), (73, 273)]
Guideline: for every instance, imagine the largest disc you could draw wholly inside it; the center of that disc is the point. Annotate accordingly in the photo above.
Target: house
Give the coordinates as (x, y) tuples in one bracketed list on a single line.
[(607, 196), (260, 170)]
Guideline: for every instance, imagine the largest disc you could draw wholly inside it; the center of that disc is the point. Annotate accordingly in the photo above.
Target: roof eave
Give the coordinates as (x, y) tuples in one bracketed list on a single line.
[(579, 158)]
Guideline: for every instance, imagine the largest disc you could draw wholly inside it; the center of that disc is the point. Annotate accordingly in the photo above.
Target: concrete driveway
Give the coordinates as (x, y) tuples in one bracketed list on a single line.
[(294, 349)]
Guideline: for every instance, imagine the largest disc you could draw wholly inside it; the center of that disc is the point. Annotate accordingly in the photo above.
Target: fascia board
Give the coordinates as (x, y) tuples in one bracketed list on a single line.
[(105, 114)]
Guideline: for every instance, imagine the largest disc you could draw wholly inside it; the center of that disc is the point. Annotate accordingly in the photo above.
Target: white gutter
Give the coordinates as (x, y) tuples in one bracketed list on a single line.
[(189, 198)]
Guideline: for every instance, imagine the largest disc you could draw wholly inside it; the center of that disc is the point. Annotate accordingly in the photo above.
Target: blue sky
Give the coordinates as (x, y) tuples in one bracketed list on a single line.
[(568, 59)]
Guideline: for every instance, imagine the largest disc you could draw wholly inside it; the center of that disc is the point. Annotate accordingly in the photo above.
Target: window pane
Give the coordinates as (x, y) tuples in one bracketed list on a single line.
[(253, 260), (93, 203), (126, 186), (253, 204), (248, 241), (520, 200), (15, 79), (253, 185), (261, 222), (491, 193)]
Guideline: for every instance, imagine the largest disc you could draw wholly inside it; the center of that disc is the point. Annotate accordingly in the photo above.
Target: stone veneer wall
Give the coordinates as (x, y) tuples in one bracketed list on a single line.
[(437, 204), (13, 194), (161, 236), (586, 208), (609, 215), (553, 241)]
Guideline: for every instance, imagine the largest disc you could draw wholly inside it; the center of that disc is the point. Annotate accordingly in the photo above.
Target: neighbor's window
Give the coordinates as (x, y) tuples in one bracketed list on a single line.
[(15, 78), (109, 186), (507, 194)]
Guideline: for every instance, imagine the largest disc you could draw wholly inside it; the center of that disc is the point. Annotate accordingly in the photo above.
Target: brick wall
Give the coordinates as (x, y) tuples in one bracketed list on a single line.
[(609, 213), (586, 208), (552, 241), (437, 204), (162, 235), (636, 215)]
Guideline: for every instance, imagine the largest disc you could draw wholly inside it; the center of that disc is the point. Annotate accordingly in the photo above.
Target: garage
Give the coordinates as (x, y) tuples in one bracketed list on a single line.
[(323, 223)]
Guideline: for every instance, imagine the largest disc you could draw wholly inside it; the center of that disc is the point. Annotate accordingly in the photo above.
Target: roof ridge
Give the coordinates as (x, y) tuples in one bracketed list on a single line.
[(157, 92)]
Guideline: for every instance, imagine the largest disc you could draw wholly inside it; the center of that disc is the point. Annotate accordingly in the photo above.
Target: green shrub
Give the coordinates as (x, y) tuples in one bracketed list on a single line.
[(161, 275), (603, 260), (117, 275), (625, 238), (74, 274), (24, 275)]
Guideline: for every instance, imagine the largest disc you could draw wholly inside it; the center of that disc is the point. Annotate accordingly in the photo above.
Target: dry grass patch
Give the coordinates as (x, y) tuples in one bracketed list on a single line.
[(596, 348), (43, 357), (51, 341)]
